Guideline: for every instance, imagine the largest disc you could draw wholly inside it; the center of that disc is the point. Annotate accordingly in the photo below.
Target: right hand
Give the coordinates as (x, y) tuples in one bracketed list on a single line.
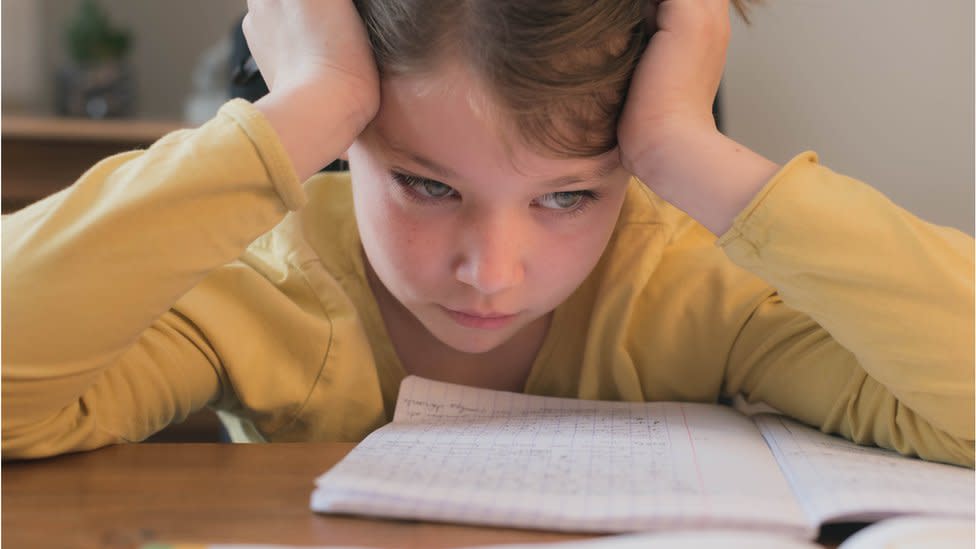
[(319, 67)]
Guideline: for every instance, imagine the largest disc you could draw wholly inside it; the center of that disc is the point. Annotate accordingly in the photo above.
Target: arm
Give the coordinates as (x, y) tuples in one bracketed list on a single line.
[(90, 273), (870, 333), (92, 352), (882, 352)]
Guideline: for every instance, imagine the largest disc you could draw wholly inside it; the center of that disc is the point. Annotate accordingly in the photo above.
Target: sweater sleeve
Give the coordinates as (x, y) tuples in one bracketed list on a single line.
[(870, 331), (92, 353)]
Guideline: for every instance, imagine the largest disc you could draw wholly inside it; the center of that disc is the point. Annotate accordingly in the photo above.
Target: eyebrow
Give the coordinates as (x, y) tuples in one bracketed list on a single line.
[(605, 168)]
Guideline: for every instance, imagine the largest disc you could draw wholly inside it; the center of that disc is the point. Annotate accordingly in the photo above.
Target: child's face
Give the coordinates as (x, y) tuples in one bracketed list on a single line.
[(453, 221)]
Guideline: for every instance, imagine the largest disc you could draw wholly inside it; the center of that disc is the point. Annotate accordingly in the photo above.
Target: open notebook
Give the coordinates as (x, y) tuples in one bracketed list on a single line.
[(467, 455)]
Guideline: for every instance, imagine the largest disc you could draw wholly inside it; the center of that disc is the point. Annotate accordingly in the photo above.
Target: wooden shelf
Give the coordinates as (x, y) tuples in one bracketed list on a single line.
[(53, 128)]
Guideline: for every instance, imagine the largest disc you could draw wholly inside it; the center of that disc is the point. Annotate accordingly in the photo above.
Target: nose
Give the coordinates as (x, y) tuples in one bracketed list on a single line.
[(490, 259)]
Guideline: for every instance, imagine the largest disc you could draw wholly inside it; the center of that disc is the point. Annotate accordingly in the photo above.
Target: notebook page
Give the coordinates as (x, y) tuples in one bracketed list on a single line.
[(461, 454), (835, 479)]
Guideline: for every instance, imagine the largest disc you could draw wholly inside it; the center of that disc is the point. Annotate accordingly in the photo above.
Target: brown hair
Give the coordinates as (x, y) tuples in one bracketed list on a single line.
[(559, 68)]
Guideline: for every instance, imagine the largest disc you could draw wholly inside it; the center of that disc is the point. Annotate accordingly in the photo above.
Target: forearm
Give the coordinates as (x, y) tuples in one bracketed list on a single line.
[(894, 291), (704, 173), (169, 373), (89, 269), (312, 132), (781, 357)]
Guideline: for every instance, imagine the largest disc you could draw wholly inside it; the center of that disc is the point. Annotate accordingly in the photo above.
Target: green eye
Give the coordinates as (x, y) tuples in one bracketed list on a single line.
[(433, 189), (562, 200), (421, 188)]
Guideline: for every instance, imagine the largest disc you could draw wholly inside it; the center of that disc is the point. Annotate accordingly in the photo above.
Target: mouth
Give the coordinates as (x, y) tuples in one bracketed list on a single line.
[(484, 320)]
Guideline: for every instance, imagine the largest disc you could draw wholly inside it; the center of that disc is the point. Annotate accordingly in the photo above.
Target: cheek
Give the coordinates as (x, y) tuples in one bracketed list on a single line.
[(403, 235), (398, 247), (566, 257), (563, 260), (402, 247)]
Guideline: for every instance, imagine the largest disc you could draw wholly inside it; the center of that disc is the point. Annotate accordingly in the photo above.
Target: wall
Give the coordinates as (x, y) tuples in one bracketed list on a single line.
[(22, 63), (881, 89)]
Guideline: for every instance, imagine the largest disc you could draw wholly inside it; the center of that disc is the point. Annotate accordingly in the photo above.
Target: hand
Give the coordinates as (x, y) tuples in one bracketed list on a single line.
[(677, 78), (323, 82), (667, 134)]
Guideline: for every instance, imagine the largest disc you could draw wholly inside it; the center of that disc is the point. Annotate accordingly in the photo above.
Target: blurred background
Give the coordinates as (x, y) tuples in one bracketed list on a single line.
[(882, 89), (167, 40)]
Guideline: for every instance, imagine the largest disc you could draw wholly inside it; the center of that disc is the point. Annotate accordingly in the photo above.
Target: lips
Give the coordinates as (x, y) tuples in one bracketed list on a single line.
[(479, 319)]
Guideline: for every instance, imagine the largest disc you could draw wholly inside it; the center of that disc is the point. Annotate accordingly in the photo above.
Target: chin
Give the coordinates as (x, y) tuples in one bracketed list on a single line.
[(473, 343), (469, 340)]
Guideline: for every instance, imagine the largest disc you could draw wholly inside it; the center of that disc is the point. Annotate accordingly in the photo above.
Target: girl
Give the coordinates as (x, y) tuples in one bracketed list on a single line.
[(510, 221)]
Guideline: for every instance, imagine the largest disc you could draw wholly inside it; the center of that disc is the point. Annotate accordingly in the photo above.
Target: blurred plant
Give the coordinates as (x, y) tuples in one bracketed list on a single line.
[(91, 38), (98, 81)]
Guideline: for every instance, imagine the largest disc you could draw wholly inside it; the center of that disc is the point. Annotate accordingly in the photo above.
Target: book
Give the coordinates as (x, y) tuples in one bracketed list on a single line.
[(466, 455)]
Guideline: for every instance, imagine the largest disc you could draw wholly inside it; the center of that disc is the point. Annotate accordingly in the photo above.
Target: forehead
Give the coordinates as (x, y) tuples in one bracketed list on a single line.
[(449, 117)]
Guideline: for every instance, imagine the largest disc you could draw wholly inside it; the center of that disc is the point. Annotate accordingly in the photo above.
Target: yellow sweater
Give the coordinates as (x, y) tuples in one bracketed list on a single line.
[(174, 278)]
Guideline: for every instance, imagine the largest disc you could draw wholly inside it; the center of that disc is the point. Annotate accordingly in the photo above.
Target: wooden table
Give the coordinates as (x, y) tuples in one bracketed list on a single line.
[(124, 496)]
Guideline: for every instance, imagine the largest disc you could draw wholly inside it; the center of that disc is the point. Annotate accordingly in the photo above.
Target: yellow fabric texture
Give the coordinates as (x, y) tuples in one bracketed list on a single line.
[(202, 272)]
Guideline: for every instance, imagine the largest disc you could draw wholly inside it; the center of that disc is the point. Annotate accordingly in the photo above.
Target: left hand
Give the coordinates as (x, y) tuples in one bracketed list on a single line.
[(667, 134)]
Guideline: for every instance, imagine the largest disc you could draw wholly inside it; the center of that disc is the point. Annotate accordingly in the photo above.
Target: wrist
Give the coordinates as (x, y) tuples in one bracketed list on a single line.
[(314, 127), (709, 176)]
